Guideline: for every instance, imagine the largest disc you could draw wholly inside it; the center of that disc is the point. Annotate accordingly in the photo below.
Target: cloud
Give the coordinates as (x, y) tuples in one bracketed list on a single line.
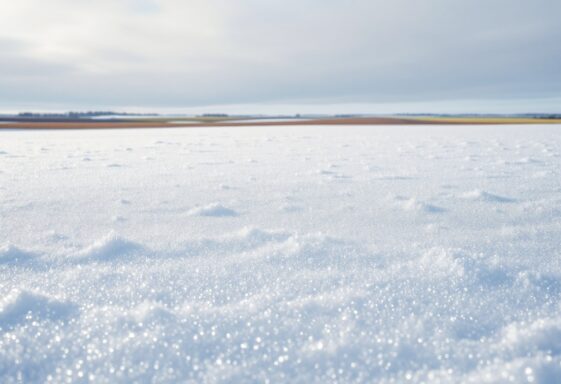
[(192, 52)]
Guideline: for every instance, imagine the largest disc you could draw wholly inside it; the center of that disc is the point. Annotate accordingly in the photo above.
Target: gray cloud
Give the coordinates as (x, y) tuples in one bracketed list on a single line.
[(182, 53)]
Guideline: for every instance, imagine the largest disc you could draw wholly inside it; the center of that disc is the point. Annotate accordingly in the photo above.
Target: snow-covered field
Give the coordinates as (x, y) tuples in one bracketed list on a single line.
[(281, 254)]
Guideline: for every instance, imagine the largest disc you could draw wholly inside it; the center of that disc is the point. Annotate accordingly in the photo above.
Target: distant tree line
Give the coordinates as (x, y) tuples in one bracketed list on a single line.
[(214, 115), (552, 116), (476, 115), (78, 115)]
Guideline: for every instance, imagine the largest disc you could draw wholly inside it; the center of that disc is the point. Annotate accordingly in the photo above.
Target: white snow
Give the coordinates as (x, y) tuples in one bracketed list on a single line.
[(21, 307), (486, 196), (110, 248), (11, 254), (214, 209), (281, 254)]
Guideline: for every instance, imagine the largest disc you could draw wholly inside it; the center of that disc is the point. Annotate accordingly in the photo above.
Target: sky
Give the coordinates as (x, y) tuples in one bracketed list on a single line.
[(371, 56)]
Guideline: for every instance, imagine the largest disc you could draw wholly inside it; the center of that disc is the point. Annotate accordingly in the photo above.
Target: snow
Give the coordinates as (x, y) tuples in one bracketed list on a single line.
[(11, 254), (214, 209), (19, 307), (281, 254), (109, 248), (486, 196)]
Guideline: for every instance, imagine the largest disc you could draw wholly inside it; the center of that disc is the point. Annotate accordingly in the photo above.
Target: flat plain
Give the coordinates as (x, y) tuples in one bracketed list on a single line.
[(383, 253)]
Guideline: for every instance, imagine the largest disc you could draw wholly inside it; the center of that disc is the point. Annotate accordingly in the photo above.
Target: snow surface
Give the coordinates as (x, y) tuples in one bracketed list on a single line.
[(281, 254)]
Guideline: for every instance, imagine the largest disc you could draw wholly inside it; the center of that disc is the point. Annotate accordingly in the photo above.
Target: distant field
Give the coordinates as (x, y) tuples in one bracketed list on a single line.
[(191, 122), (487, 120)]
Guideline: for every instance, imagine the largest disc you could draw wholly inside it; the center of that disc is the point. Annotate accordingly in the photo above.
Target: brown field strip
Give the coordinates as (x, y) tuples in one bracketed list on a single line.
[(172, 123)]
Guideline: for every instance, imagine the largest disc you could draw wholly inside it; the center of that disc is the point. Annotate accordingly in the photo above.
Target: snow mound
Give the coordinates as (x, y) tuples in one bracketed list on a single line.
[(109, 248), (542, 334), (10, 254), (20, 306), (318, 251), (473, 268), (151, 312), (244, 240), (419, 206), (527, 160), (438, 262), (480, 195), (252, 235), (213, 210)]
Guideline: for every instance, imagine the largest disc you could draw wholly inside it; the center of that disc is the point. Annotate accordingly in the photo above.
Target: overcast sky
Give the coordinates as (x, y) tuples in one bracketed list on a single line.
[(473, 54)]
